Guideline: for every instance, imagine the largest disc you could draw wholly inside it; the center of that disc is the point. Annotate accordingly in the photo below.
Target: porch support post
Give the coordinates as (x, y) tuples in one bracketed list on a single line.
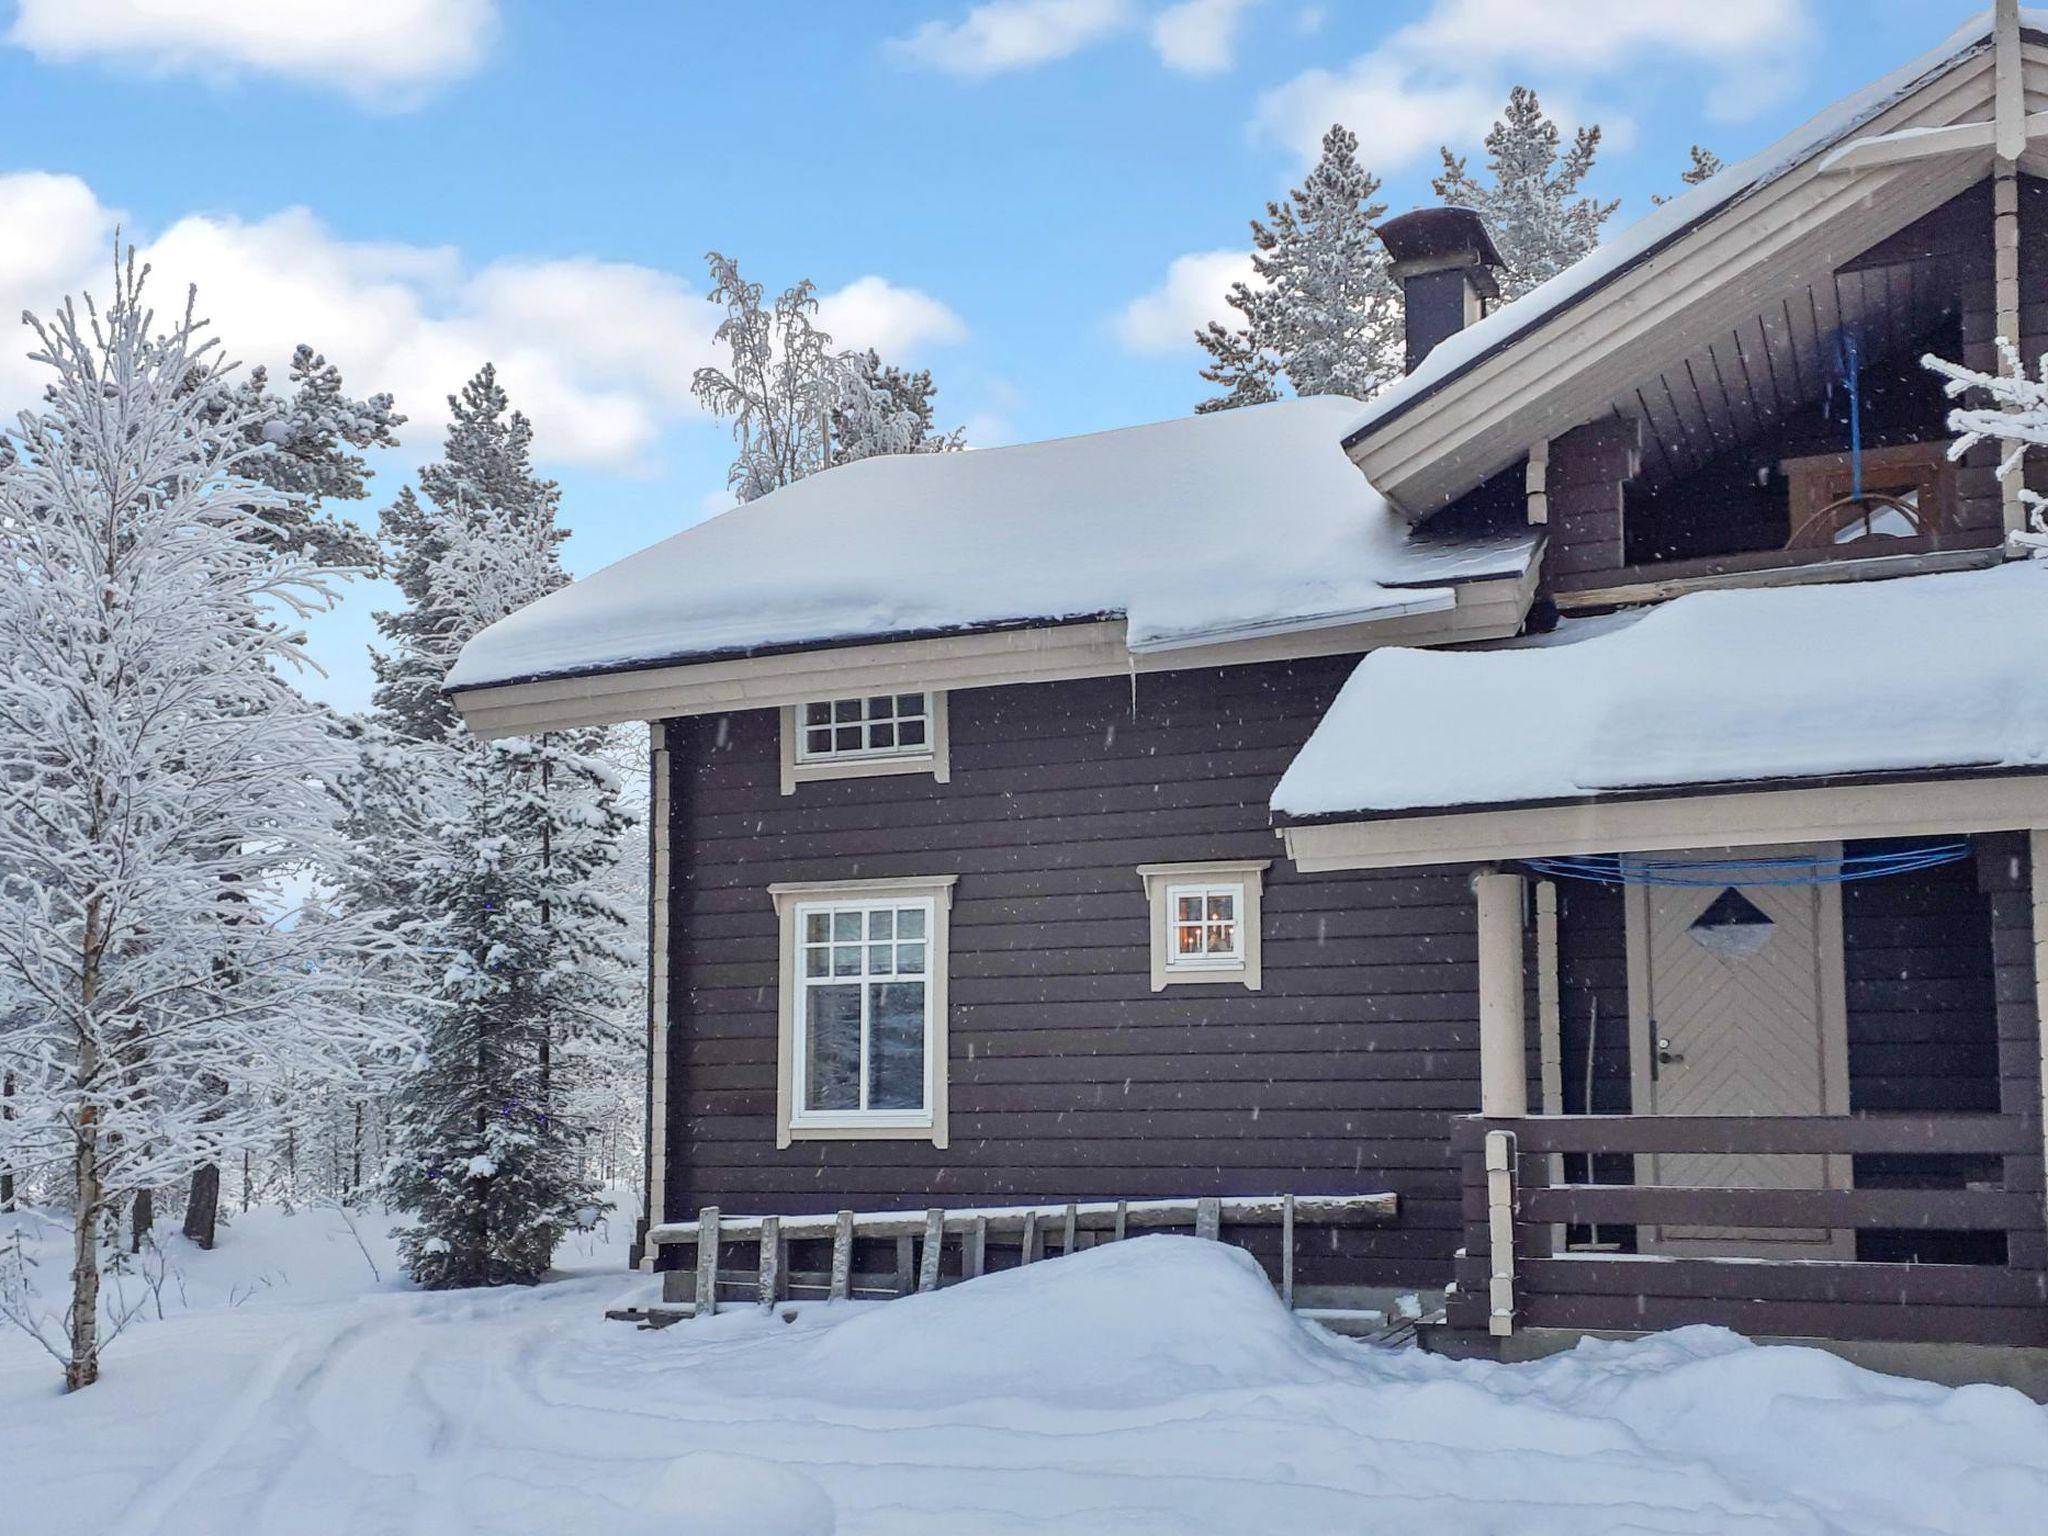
[(1503, 1031), (2009, 142), (2037, 867)]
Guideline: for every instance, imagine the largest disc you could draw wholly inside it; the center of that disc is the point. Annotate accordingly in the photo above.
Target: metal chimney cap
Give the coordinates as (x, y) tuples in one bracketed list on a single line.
[(1431, 234)]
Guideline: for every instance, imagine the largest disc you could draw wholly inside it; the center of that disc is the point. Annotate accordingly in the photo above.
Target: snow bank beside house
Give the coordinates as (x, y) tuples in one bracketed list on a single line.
[(1155, 1387), (1923, 672), (1206, 526)]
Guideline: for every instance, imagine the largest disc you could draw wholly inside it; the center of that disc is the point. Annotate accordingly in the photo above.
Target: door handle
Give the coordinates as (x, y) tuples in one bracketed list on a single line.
[(1665, 1055)]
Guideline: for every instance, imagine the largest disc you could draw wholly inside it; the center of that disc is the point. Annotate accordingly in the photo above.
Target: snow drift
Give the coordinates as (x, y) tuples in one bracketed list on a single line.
[(1155, 1387)]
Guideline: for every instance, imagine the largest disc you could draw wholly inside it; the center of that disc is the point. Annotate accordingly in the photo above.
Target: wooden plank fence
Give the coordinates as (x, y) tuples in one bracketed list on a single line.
[(1071, 1225)]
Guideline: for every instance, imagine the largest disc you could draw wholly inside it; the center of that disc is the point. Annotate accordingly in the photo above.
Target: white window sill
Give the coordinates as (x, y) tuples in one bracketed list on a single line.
[(864, 1128)]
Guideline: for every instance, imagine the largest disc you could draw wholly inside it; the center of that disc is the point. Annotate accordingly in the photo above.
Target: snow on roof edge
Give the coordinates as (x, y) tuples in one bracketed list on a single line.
[(1906, 677), (1671, 221)]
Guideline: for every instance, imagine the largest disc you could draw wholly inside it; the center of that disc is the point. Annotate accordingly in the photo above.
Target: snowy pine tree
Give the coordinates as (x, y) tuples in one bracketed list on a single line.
[(152, 756), (881, 409), (1701, 164), (1323, 315), (308, 442), (487, 858), (796, 404), (1531, 199)]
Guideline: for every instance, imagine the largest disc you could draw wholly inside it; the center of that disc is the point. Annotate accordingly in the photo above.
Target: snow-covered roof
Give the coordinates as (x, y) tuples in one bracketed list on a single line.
[(1665, 223), (1922, 672), (1205, 528)]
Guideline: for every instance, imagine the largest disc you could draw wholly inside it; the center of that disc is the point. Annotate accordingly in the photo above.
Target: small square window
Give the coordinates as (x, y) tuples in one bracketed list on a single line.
[(1205, 922)]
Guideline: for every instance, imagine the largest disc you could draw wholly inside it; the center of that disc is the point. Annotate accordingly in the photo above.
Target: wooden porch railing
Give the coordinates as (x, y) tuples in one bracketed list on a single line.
[(1510, 1277)]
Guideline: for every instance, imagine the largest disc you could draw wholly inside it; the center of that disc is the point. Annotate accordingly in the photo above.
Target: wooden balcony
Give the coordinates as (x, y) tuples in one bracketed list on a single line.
[(1514, 1273)]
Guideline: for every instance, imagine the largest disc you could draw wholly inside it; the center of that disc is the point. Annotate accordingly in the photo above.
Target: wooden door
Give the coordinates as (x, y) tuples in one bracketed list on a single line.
[(1736, 996)]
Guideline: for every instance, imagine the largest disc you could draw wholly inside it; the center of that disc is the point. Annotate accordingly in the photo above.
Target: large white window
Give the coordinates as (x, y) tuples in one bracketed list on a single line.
[(863, 1009), (1205, 922), (863, 735)]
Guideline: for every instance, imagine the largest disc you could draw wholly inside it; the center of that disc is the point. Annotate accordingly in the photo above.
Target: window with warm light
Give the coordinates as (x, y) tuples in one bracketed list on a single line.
[(1205, 921)]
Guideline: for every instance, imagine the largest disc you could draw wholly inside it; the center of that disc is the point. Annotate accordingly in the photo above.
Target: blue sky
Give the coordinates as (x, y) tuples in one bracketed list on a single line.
[(1035, 198)]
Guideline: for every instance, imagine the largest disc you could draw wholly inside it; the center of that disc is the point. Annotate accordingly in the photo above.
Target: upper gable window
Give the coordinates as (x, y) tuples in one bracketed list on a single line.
[(863, 735), (874, 725)]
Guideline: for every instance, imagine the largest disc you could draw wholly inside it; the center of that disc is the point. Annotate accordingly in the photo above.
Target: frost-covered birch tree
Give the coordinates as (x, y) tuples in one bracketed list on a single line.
[(797, 404), (487, 859), (2009, 409), (152, 755), (1322, 315), (1530, 197)]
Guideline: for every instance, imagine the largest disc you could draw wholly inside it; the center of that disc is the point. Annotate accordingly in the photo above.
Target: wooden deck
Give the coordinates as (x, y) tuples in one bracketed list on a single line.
[(1512, 1274)]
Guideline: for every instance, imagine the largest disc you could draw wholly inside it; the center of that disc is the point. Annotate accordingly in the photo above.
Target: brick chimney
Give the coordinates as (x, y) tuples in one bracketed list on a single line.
[(1443, 260)]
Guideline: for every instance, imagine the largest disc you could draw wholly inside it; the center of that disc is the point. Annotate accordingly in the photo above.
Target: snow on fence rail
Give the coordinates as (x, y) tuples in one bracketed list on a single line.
[(1032, 1225)]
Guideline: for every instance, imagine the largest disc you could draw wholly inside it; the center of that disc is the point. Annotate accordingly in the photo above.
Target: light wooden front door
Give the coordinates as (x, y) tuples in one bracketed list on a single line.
[(1736, 993)]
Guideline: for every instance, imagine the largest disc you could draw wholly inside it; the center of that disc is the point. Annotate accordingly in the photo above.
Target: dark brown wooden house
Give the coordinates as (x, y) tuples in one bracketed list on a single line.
[(1593, 791)]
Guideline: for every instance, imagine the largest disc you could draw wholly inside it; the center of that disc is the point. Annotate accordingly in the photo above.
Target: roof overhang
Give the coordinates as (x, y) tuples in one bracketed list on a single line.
[(1587, 355), (1472, 610), (1701, 816)]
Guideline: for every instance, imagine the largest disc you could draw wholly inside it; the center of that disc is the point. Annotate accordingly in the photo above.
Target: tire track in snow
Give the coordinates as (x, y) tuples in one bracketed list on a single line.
[(146, 1514)]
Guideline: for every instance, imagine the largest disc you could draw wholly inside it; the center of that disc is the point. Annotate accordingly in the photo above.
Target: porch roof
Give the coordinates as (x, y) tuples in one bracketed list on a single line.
[(1714, 689)]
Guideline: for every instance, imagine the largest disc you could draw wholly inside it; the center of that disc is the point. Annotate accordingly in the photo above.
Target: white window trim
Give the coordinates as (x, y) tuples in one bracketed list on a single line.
[(935, 759), (1248, 877), (793, 1124)]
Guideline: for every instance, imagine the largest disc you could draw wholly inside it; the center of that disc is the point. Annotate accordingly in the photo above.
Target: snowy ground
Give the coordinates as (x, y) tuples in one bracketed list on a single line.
[(1153, 1387)]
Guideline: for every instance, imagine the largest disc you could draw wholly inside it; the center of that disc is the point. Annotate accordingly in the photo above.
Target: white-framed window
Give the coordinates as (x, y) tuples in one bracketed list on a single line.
[(864, 734), (1205, 921), (872, 725), (1208, 933), (863, 1009)]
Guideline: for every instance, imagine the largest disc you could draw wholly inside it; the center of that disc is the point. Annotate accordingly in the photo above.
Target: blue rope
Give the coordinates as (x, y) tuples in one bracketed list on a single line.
[(1796, 869)]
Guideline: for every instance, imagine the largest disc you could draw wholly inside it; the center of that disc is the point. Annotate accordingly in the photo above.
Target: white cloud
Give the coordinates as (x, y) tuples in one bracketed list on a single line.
[(1599, 35), (897, 322), (1442, 78), (1398, 113), (1002, 35), (598, 353), (386, 52), (1199, 37), (1165, 320)]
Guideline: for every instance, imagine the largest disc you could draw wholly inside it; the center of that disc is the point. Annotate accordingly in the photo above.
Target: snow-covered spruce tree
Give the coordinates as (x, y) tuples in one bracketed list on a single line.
[(486, 858), (152, 755), (1531, 199), (1323, 315), (796, 404)]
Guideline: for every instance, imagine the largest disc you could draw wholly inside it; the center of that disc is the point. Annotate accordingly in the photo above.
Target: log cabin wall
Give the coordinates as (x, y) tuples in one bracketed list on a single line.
[(1069, 1077)]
